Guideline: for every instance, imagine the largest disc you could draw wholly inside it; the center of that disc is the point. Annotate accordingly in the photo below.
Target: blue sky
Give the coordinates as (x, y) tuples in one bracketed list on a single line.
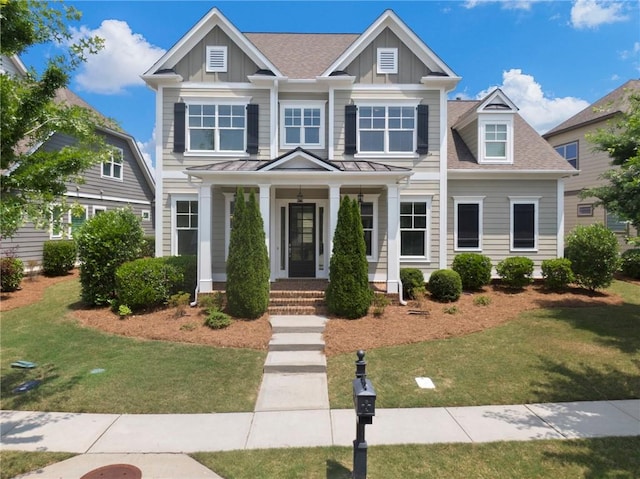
[(552, 58)]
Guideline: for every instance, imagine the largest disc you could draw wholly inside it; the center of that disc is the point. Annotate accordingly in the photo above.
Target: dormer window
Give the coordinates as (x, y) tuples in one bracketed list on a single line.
[(216, 60), (496, 139), (387, 61)]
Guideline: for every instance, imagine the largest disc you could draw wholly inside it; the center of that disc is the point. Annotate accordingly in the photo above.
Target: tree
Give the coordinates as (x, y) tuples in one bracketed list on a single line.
[(248, 262), (348, 294), (32, 178), (621, 140)]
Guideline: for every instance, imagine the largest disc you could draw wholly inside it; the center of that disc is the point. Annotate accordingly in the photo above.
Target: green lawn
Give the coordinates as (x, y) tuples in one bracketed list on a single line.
[(139, 376), (546, 355), (14, 463)]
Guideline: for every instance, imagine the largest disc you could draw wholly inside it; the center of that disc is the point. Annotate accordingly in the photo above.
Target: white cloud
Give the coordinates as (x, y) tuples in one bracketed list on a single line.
[(593, 13), (540, 111), (148, 150), (632, 53), (506, 4), (125, 56)]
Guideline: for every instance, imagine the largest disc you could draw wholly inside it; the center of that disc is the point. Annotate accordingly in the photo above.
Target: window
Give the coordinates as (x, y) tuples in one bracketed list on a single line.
[(146, 215), (468, 223), (113, 167), (367, 216), (524, 223), (414, 220), (495, 141), (302, 124), (585, 210), (615, 224), (77, 217), (186, 221), (216, 127), (387, 61), (495, 135), (98, 210), (569, 152), (56, 226), (216, 60), (386, 129)]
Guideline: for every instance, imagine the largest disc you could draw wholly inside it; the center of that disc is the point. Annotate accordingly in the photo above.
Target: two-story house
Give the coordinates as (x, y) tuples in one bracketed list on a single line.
[(124, 181), (569, 139), (304, 119)]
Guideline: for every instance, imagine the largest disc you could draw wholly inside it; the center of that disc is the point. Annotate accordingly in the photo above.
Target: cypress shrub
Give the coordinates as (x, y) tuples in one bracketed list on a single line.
[(412, 282), (11, 273), (631, 263), (248, 262), (516, 271), (58, 257), (445, 285), (105, 242), (146, 283), (557, 274), (593, 252), (348, 294), (474, 270)]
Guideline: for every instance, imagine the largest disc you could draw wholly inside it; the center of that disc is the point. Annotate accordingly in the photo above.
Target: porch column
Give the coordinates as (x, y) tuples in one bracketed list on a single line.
[(205, 282), (334, 206), (393, 241)]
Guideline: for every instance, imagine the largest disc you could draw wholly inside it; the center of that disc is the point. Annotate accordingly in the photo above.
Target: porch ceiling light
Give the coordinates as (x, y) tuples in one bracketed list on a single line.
[(299, 196), (360, 197)]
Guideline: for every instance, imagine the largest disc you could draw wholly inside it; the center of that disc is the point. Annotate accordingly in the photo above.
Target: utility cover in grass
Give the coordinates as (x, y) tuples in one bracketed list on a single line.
[(425, 383)]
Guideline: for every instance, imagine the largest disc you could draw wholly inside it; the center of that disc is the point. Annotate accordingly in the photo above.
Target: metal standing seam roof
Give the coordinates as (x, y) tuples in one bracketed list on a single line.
[(257, 165)]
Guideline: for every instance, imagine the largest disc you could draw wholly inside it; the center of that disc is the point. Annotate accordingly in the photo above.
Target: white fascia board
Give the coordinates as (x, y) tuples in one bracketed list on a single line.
[(298, 177), (492, 96), (155, 81), (213, 18), (507, 174)]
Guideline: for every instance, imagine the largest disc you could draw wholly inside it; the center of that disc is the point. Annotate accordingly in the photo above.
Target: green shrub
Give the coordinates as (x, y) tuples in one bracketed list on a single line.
[(380, 302), (445, 285), (248, 262), (516, 271), (412, 282), (11, 273), (146, 283), (148, 247), (179, 301), (631, 263), (216, 300), (58, 257), (188, 266), (557, 274), (348, 294), (217, 319), (482, 301), (593, 252), (105, 242), (124, 310), (474, 270)]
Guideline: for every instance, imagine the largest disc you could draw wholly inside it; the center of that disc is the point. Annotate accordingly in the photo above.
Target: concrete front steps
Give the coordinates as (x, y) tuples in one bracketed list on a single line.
[(295, 369)]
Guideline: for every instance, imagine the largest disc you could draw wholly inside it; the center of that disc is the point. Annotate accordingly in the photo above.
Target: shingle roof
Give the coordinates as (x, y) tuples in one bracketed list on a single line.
[(530, 150), (605, 107), (302, 55)]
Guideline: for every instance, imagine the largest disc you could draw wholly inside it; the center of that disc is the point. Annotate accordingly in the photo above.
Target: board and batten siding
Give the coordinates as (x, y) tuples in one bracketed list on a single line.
[(496, 221)]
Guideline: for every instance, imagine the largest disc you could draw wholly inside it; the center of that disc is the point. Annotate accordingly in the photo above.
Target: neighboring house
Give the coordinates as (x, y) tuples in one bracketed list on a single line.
[(304, 119), (125, 181), (569, 139)]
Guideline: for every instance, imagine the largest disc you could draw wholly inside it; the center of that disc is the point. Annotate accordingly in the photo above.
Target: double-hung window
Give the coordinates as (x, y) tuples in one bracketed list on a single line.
[(569, 152), (386, 129), (56, 227), (185, 215), (468, 223), (302, 124), (495, 135), (77, 217), (414, 227), (112, 168), (524, 223), (216, 127), (495, 140)]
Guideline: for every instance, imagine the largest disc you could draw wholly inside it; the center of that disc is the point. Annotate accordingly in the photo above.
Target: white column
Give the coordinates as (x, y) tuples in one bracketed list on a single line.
[(334, 206), (265, 206), (205, 282), (560, 213), (393, 239)]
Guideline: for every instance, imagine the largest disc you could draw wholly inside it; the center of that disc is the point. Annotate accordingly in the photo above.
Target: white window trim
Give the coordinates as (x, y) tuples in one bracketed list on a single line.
[(86, 217), (174, 226), (95, 208), (242, 101), (52, 219), (390, 54), (515, 200), (478, 200), (216, 69), (302, 104), (411, 102), (145, 215), (369, 198), (495, 119), (427, 243), (111, 163)]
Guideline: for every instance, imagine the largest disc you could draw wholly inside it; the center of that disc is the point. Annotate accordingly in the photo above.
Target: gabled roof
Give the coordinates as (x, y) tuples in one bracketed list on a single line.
[(531, 152), (606, 107), (16, 64), (494, 102)]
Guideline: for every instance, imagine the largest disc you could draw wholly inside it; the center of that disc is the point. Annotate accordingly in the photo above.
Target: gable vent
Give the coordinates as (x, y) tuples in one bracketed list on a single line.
[(216, 59), (388, 60)]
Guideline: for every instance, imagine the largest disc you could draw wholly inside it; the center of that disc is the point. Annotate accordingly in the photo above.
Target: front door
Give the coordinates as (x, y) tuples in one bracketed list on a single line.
[(302, 243)]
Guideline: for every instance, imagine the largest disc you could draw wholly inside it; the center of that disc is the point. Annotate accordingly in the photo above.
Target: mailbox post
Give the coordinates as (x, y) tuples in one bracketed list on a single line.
[(364, 401)]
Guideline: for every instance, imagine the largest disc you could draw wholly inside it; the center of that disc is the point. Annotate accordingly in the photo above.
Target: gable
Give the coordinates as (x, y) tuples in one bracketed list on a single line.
[(298, 159), (192, 66)]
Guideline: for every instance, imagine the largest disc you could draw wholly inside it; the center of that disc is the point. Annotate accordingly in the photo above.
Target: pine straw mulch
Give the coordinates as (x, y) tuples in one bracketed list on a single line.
[(416, 322)]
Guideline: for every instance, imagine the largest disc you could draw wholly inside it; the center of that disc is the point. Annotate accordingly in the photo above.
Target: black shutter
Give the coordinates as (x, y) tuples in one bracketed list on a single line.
[(252, 129), (423, 130), (179, 110), (350, 114)]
